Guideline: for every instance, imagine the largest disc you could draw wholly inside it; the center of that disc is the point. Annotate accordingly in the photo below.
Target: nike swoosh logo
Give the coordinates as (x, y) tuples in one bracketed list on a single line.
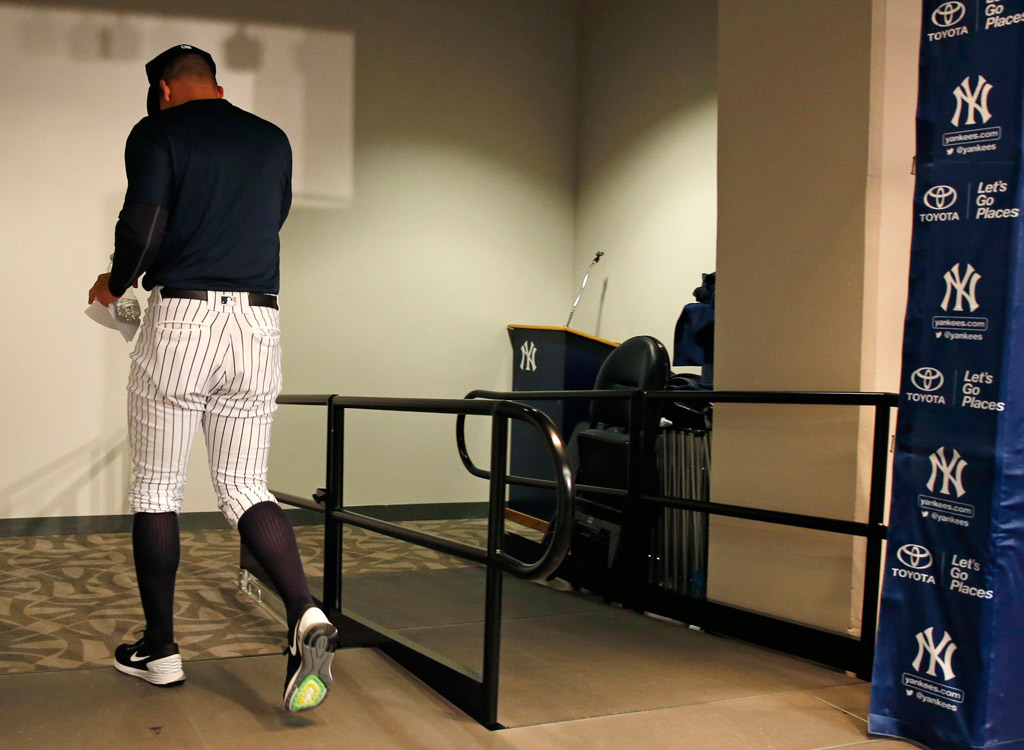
[(137, 658)]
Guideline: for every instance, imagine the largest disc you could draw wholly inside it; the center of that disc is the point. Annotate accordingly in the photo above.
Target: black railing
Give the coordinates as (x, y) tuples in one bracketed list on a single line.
[(629, 583), (477, 697), (477, 694)]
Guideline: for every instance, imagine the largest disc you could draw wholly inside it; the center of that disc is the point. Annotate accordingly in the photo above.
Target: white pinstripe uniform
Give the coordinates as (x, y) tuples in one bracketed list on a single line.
[(214, 362)]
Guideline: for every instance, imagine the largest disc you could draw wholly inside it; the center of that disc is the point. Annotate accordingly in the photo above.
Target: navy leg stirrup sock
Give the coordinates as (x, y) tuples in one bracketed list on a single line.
[(157, 550), (265, 530)]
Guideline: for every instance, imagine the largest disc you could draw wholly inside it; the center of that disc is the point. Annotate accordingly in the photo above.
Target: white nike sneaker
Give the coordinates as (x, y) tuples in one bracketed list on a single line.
[(311, 648), (162, 667)]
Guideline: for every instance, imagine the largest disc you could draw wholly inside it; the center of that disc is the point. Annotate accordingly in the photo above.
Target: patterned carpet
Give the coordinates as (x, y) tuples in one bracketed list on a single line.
[(67, 601)]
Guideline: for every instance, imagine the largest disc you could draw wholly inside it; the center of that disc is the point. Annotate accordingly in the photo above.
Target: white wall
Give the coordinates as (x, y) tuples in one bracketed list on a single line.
[(647, 164), (401, 265)]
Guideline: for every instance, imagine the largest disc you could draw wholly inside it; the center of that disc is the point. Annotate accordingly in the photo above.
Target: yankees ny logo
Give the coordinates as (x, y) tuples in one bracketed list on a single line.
[(528, 360), (926, 644), (964, 95), (952, 472), (965, 287)]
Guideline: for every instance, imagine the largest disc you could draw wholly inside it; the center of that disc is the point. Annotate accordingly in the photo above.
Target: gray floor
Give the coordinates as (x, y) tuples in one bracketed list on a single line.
[(228, 704), (576, 673), (586, 658)]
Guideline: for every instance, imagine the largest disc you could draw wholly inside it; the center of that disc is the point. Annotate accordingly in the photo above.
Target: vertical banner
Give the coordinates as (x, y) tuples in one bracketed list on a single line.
[(949, 664)]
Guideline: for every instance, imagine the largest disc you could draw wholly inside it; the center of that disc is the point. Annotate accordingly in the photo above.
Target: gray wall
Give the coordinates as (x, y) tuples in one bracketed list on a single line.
[(458, 221), (647, 163), (476, 156), (461, 223)]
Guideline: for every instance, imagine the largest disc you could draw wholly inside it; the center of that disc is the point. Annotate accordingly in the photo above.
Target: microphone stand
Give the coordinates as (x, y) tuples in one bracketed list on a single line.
[(586, 276)]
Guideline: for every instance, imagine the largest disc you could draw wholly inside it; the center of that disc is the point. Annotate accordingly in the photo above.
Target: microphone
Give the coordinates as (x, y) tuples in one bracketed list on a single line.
[(583, 286)]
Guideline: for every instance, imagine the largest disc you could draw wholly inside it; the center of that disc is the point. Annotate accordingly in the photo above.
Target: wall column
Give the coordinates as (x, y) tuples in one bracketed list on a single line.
[(794, 85)]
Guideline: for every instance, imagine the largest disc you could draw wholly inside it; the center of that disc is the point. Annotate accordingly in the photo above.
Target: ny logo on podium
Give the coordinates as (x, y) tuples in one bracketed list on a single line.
[(528, 360)]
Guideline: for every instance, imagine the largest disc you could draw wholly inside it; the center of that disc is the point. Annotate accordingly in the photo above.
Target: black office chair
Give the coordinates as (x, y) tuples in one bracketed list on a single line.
[(599, 452)]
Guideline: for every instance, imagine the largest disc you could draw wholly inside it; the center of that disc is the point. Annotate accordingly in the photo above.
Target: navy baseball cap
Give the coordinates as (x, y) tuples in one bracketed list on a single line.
[(156, 67)]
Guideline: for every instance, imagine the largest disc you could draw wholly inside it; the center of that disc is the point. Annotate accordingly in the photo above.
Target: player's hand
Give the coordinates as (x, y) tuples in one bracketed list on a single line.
[(101, 291)]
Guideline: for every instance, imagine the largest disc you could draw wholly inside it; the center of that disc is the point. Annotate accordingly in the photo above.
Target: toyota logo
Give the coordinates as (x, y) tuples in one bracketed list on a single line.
[(927, 379), (915, 556), (949, 14), (940, 197)]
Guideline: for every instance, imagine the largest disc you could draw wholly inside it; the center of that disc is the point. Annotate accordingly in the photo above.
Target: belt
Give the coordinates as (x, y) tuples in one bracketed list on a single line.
[(256, 299)]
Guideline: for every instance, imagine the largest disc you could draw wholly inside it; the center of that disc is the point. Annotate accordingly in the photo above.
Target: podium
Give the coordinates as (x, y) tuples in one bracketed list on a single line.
[(549, 359)]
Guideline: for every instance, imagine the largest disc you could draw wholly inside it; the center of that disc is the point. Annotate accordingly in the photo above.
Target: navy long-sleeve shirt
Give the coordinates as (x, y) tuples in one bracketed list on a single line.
[(209, 186)]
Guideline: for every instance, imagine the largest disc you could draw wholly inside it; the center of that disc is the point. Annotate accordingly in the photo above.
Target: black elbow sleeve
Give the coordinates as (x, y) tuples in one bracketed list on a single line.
[(137, 238)]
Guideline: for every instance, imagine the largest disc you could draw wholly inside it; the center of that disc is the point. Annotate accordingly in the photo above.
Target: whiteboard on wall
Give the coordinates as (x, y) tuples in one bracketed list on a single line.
[(298, 78)]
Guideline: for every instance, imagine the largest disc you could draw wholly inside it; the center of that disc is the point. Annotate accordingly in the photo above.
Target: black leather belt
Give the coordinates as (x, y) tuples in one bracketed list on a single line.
[(256, 299)]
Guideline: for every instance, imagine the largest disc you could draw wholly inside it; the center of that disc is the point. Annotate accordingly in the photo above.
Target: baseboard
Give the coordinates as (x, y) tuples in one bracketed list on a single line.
[(120, 524)]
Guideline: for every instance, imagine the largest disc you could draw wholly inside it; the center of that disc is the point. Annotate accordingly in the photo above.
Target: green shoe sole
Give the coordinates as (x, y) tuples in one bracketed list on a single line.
[(309, 694)]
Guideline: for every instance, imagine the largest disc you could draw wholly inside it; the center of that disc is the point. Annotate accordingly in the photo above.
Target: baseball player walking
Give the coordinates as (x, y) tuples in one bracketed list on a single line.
[(209, 186)]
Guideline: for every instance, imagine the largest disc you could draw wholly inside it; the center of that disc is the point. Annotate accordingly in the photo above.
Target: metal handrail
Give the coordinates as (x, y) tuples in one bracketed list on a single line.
[(516, 396), (871, 529), (549, 395), (479, 697), (825, 398), (795, 398), (840, 651), (314, 399), (556, 543)]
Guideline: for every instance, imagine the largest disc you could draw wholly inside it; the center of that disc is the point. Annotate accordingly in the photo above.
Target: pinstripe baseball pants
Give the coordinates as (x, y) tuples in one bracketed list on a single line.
[(215, 363)]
